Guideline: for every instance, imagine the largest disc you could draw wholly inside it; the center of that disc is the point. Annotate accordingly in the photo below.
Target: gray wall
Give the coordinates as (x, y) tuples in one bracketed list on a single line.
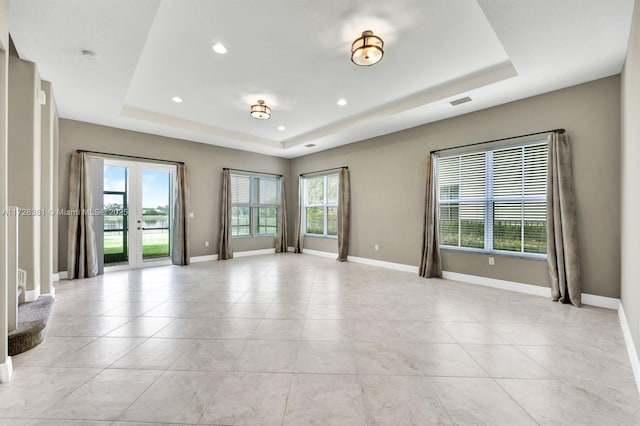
[(4, 67), (205, 164), (24, 167), (388, 183), (56, 189), (630, 176), (48, 183)]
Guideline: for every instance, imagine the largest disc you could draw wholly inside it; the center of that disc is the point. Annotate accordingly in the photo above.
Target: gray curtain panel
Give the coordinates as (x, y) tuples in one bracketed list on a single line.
[(282, 236), (430, 261), (299, 234), (180, 242), (344, 207), (562, 240), (225, 251), (85, 256)]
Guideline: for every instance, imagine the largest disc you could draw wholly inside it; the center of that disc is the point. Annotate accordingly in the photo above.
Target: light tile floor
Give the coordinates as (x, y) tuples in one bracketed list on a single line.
[(296, 339)]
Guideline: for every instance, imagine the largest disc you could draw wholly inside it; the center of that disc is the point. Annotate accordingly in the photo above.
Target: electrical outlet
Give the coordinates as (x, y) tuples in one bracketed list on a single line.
[(492, 261), (376, 247), (206, 243), (191, 215)]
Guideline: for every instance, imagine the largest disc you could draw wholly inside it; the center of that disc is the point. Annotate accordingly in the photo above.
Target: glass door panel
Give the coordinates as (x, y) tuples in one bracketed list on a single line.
[(137, 219), (156, 214), (116, 224)]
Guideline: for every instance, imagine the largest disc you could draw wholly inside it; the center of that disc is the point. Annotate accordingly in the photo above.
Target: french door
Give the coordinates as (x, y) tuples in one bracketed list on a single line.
[(138, 213)]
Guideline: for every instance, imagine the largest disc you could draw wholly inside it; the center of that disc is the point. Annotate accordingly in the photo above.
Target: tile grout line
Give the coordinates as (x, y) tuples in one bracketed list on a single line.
[(213, 398), (516, 401), (117, 418), (286, 402), (433, 390)]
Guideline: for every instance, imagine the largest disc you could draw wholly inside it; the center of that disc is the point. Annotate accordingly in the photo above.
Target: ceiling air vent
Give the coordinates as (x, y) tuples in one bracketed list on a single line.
[(310, 145), (460, 101)]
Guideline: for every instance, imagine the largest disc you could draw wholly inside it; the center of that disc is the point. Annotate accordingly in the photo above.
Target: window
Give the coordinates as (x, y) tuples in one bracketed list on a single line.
[(495, 200), (254, 210), (321, 205)]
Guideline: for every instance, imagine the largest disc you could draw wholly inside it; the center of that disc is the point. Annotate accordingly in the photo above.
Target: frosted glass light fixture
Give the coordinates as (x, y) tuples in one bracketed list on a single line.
[(261, 111), (367, 50)]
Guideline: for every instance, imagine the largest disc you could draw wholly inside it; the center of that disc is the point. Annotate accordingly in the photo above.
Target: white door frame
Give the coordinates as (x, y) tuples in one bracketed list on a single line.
[(134, 203)]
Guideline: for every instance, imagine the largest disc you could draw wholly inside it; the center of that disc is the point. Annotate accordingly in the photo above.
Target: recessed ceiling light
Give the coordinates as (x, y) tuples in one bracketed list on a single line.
[(282, 128), (219, 48), (177, 99), (342, 102), (89, 54)]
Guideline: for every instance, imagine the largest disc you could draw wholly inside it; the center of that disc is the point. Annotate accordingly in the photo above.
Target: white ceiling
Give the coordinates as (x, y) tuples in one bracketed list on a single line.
[(295, 55)]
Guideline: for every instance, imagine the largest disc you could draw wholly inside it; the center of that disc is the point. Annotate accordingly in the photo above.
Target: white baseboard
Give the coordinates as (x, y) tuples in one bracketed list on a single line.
[(31, 295), (320, 253), (601, 301), (55, 277), (6, 370), (631, 348), (291, 249), (501, 284), (364, 260), (382, 264), (587, 299), (208, 258), (62, 275), (254, 252)]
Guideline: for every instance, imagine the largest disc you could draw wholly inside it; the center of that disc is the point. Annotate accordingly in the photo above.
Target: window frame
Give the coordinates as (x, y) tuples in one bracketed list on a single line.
[(489, 200), (254, 206), (325, 205)]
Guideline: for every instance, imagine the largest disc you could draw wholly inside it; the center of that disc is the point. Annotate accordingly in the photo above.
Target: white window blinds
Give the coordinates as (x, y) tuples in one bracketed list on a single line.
[(494, 200)]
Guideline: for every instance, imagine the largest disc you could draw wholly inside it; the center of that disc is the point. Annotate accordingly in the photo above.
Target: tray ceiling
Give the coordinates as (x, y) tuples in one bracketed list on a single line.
[(295, 56)]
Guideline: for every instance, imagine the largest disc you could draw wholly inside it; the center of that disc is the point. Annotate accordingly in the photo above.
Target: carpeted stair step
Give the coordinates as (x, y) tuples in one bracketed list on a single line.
[(32, 320)]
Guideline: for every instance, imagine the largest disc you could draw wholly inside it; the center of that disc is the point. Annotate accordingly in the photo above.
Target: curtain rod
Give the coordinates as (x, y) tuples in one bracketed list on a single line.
[(249, 171), (559, 131), (325, 170), (129, 156)]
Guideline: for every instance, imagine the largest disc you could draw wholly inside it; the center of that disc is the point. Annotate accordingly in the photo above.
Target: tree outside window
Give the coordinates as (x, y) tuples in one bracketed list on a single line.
[(254, 210)]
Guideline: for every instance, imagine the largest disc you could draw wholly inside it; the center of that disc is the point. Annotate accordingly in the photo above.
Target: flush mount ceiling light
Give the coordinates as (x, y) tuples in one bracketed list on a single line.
[(367, 49), (282, 128), (261, 111), (342, 102), (177, 99)]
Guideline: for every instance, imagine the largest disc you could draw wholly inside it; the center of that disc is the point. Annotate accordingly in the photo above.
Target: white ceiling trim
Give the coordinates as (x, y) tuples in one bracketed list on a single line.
[(420, 99), (437, 94), (167, 120)]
